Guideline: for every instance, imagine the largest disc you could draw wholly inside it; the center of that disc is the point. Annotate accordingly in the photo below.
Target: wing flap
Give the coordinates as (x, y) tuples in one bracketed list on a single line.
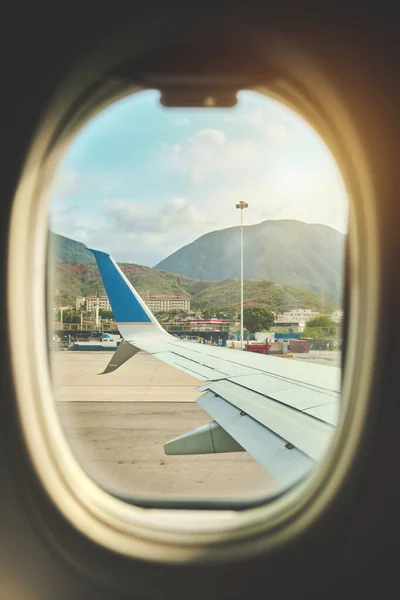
[(305, 432), (285, 462)]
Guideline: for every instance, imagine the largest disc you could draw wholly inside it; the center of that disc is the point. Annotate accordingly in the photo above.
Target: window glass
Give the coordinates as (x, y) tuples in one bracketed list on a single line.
[(218, 238)]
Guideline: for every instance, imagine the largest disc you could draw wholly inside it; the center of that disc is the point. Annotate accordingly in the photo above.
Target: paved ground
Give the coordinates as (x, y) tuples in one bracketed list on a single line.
[(117, 424), (322, 357)]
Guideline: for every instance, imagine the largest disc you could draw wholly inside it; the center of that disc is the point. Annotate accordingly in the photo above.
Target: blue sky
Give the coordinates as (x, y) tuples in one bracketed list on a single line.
[(140, 181)]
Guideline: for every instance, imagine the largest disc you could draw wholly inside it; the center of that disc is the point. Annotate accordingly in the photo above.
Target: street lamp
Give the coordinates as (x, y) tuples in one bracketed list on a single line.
[(97, 311), (241, 206), (62, 308)]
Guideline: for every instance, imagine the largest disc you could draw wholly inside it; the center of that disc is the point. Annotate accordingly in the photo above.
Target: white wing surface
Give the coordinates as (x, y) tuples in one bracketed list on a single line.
[(282, 412)]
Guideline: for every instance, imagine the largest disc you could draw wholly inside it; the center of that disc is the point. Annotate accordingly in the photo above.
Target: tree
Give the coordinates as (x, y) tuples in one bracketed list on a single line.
[(258, 318), (319, 328), (69, 316), (106, 314), (208, 313), (313, 333), (226, 312)]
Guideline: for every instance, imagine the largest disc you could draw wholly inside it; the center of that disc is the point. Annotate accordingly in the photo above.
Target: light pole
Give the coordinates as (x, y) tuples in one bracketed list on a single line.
[(241, 206), (62, 308), (97, 311)]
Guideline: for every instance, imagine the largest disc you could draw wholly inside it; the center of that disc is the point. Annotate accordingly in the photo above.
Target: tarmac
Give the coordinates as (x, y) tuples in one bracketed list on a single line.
[(117, 424)]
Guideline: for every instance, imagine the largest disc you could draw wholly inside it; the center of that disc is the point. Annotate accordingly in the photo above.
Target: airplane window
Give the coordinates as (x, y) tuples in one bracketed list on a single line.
[(196, 260)]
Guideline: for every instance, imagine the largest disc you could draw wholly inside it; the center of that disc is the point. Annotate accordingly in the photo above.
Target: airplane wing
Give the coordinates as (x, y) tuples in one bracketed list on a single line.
[(282, 412)]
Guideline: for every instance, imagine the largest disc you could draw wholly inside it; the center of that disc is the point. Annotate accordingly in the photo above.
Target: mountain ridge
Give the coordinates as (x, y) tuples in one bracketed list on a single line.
[(286, 251), (75, 273)]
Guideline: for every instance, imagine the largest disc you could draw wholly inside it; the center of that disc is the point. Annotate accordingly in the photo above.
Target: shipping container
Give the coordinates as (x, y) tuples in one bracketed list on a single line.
[(258, 348), (301, 346)]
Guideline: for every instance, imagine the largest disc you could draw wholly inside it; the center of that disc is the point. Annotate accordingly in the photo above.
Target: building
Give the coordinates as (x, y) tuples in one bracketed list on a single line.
[(337, 315), (91, 302), (79, 302), (295, 320), (156, 303), (201, 324), (298, 315), (166, 303), (292, 327)]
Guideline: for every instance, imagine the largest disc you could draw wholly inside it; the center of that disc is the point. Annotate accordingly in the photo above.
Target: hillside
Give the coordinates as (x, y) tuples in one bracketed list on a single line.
[(74, 273), (278, 298), (287, 252), (84, 280), (64, 249), (72, 279)]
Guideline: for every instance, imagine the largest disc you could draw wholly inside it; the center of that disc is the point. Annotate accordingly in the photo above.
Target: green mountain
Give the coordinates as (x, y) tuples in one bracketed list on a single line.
[(279, 298), (287, 252), (64, 249), (71, 278)]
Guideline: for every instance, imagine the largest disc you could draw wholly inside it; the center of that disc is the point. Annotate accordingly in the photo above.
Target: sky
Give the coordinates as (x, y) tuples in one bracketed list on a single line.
[(140, 181)]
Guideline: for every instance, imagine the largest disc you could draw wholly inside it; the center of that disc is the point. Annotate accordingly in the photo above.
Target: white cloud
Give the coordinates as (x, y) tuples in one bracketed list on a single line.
[(68, 222), (142, 219), (208, 135), (276, 133), (209, 152), (64, 184), (134, 232), (265, 156), (273, 124), (258, 117)]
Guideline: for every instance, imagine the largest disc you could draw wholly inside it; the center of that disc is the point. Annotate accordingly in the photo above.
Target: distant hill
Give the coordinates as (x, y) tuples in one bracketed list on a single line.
[(279, 298), (64, 249), (72, 278), (287, 252)]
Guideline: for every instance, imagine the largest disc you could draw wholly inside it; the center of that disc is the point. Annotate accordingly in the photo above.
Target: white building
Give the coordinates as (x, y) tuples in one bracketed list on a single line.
[(165, 303), (159, 302), (337, 315), (91, 302), (79, 302), (298, 315)]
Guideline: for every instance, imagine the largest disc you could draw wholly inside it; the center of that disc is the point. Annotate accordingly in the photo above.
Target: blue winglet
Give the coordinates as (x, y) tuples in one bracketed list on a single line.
[(124, 300)]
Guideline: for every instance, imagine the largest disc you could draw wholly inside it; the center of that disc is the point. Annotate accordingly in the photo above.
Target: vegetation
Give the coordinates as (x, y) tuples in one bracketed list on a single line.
[(69, 316), (106, 315), (216, 299), (258, 318), (278, 298), (212, 299), (319, 328), (64, 249)]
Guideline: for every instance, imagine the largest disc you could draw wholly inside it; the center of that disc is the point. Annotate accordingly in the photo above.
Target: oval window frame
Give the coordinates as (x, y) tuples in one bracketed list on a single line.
[(164, 534)]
